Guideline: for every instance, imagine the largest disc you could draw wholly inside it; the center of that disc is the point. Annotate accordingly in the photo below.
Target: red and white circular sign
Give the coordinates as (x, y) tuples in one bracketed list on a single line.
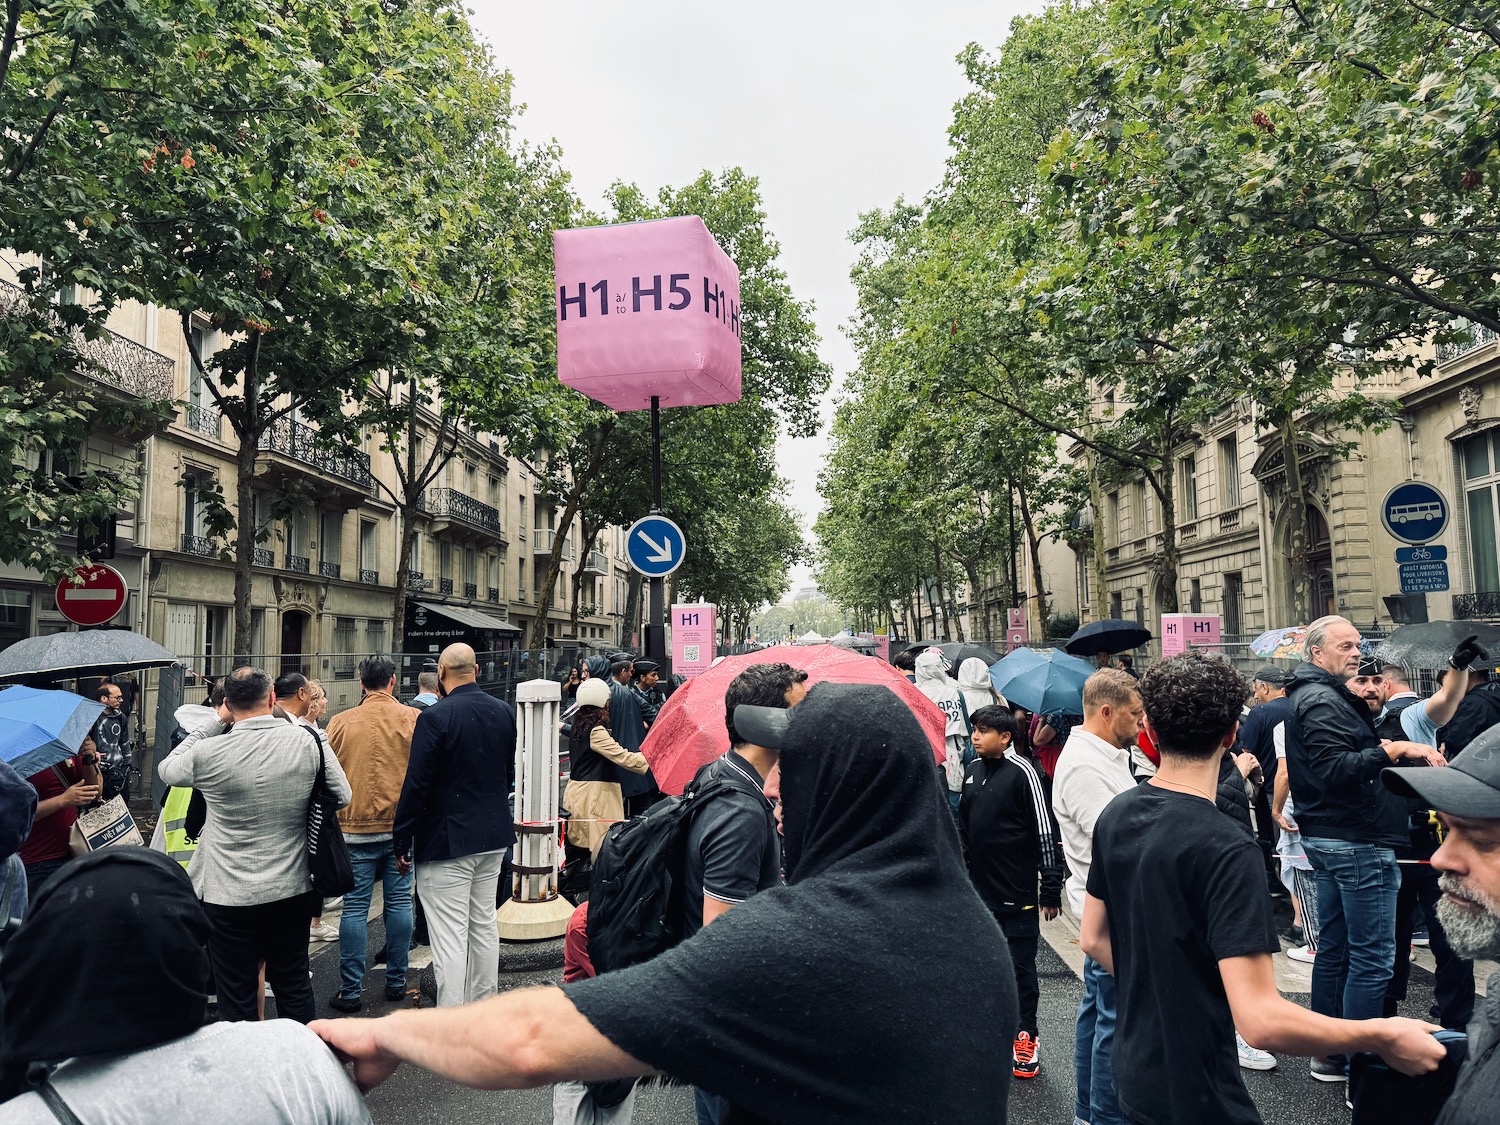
[(97, 600)]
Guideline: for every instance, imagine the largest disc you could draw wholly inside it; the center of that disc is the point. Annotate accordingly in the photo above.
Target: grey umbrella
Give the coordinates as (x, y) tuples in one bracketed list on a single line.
[(88, 652)]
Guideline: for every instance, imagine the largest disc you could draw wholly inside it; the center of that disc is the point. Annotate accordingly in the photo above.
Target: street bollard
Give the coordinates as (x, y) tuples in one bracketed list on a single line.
[(534, 910)]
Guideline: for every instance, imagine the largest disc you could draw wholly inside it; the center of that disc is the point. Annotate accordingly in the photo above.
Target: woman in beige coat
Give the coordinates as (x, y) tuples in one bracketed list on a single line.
[(592, 797)]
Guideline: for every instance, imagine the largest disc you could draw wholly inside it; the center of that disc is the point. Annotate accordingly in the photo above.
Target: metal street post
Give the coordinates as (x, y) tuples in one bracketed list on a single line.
[(533, 909)]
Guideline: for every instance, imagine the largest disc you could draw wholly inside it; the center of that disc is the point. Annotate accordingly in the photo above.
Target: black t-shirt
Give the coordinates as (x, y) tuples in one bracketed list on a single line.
[(1186, 888), (1258, 733), (732, 846)]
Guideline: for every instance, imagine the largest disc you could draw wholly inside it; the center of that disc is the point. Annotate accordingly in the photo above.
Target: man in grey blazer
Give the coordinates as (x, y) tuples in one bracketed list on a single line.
[(256, 773)]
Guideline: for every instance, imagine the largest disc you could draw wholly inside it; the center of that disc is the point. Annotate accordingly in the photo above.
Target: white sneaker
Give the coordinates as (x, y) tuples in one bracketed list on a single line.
[(1302, 953), (1251, 1058), (322, 932), (332, 904)]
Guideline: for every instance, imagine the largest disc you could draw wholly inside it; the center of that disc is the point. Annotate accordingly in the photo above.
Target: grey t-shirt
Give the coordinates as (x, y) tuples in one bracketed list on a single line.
[(732, 847), (272, 1073)]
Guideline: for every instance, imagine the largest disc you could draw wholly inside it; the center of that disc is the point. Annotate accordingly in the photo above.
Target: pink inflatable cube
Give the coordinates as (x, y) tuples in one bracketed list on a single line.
[(647, 309)]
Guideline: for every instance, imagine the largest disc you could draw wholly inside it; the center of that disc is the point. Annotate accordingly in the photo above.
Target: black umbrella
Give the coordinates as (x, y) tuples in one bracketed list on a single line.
[(1110, 635), (956, 652), (88, 652), (1429, 644)]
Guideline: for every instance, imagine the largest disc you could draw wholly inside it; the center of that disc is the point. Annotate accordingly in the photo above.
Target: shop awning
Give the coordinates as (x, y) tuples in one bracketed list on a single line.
[(470, 618)]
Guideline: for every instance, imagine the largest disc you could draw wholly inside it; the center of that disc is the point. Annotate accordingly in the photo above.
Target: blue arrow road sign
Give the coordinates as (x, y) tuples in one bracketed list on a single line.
[(655, 546), (1414, 512), (1424, 577), (1421, 554)]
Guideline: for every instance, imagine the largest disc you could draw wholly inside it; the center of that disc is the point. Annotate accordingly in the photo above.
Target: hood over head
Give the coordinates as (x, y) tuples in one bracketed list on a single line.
[(932, 668), (113, 957), (875, 882), (17, 807)]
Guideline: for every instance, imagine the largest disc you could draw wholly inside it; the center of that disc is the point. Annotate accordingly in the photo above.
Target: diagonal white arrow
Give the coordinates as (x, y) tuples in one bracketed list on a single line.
[(663, 549)]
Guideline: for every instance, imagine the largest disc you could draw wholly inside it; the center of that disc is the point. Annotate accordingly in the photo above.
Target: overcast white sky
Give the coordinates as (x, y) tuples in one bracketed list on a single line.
[(836, 107)]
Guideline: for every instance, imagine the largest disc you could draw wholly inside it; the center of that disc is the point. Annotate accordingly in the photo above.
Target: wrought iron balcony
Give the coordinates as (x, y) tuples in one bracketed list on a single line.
[(369, 577), (415, 581), (494, 593), (330, 569), (299, 564), (462, 511), (445, 585), (201, 420), (263, 557), (1484, 605), (303, 444), (200, 545), (114, 361), (471, 590), (1477, 337)]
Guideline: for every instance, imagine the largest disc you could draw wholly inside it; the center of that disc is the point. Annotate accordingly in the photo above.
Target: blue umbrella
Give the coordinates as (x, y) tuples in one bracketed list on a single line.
[(1047, 683), (40, 728)]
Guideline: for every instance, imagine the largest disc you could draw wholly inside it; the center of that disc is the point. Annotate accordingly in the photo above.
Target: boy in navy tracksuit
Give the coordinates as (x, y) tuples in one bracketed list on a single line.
[(1005, 823)]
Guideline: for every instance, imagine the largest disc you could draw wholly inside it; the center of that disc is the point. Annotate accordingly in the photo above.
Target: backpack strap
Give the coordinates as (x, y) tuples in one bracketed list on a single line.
[(41, 1082)]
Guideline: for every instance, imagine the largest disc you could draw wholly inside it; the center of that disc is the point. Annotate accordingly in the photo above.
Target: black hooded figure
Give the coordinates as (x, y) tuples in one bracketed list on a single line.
[(874, 986)]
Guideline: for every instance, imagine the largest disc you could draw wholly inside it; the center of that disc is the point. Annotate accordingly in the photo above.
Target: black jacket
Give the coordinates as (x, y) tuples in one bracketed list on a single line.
[(1009, 834), (1232, 799), (1477, 712), (455, 799), (1334, 761)]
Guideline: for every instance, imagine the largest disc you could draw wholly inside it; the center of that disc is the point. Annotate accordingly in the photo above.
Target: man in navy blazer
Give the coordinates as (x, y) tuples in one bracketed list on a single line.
[(454, 822)]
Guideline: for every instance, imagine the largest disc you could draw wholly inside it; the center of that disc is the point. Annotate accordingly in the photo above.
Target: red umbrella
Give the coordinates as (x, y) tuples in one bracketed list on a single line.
[(689, 731)]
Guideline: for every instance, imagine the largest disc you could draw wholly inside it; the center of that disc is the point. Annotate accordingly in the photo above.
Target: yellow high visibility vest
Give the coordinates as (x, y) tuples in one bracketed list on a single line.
[(174, 813)]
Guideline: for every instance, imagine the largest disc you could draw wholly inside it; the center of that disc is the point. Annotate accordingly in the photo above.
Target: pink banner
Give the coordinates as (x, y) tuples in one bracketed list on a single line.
[(647, 309), (1181, 631), (883, 646), (694, 638)]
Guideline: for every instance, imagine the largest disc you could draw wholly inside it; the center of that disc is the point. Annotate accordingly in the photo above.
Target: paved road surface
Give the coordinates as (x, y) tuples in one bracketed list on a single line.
[(1286, 1095)]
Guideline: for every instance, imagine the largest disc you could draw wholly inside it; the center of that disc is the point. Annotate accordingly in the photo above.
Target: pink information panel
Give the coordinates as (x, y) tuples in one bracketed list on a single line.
[(647, 309), (1181, 631), (695, 631)]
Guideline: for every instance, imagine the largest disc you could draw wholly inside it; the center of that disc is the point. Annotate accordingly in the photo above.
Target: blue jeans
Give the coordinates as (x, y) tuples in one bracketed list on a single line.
[(1093, 1049), (1357, 888), (370, 861)]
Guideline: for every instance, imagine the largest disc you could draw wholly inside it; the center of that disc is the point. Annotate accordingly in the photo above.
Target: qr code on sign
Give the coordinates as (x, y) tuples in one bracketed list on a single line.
[(690, 654)]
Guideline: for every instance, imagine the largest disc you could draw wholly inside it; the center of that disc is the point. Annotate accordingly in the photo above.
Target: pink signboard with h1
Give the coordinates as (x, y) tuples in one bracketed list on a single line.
[(645, 310), (1182, 631), (695, 631)]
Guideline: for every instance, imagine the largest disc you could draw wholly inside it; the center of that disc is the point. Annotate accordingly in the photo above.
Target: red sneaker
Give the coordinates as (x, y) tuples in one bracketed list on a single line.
[(1024, 1055)]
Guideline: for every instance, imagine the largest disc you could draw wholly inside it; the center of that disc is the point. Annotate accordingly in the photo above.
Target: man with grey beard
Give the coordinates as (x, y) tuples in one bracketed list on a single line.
[(1466, 796)]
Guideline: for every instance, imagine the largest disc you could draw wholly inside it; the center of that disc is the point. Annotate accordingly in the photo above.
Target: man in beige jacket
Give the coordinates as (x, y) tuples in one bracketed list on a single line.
[(373, 743)]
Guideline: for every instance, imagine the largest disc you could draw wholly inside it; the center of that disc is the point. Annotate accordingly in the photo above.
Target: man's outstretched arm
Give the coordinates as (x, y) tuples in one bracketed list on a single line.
[(530, 1037)]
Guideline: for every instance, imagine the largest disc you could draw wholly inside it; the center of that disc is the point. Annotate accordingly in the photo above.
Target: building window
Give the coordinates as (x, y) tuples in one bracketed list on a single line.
[(345, 637), (1187, 487), (521, 516), (375, 636), (1234, 604), (332, 546), (445, 559), (1140, 520), (367, 545), (1229, 474), (1140, 606), (415, 562), (15, 615), (1195, 596), (1117, 606), (1481, 457), (521, 578), (1112, 517)]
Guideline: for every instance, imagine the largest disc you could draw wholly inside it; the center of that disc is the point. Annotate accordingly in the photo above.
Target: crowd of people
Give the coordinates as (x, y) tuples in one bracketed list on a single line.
[(859, 930)]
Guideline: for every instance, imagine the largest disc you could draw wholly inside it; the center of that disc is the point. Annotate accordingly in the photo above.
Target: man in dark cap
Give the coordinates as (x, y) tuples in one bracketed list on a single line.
[(811, 1002), (647, 690), (129, 1014), (1466, 796), (628, 727), (1262, 734)]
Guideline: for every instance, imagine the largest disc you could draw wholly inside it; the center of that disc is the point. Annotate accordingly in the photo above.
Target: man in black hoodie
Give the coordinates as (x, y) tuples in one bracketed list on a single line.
[(1350, 825)]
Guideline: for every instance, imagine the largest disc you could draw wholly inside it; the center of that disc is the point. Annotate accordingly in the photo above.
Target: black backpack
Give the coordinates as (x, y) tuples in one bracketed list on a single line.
[(635, 896)]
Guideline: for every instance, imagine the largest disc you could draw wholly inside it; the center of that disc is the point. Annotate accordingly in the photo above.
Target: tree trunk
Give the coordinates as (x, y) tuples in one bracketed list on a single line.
[(1299, 537), (976, 597), (1165, 486), (1038, 580), (538, 639), (1100, 600), (248, 430), (632, 618), (403, 574)]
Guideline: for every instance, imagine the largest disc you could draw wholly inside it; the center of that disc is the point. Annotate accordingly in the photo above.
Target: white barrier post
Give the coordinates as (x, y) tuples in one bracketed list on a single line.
[(534, 910)]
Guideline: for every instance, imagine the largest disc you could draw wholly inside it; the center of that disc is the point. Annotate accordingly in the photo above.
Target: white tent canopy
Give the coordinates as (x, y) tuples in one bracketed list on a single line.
[(811, 637)]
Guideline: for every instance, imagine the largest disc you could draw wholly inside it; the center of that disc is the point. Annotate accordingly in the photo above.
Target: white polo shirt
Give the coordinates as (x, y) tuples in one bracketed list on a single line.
[(1090, 774)]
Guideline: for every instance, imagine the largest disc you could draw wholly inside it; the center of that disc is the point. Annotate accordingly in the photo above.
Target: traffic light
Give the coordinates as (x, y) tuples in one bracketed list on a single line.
[(101, 544)]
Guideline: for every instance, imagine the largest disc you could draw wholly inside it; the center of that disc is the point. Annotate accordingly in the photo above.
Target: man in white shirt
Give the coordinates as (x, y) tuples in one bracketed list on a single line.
[(1093, 769)]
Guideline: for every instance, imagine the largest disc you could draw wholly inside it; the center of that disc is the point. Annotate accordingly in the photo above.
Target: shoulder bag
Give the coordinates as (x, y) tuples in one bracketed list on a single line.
[(328, 863)]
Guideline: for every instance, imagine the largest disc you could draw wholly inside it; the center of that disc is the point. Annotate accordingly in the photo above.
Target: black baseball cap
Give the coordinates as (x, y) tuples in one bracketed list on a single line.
[(762, 726), (1469, 786), (1270, 674)]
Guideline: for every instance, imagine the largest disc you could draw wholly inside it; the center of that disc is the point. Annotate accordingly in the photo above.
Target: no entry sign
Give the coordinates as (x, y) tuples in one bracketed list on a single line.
[(97, 600)]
